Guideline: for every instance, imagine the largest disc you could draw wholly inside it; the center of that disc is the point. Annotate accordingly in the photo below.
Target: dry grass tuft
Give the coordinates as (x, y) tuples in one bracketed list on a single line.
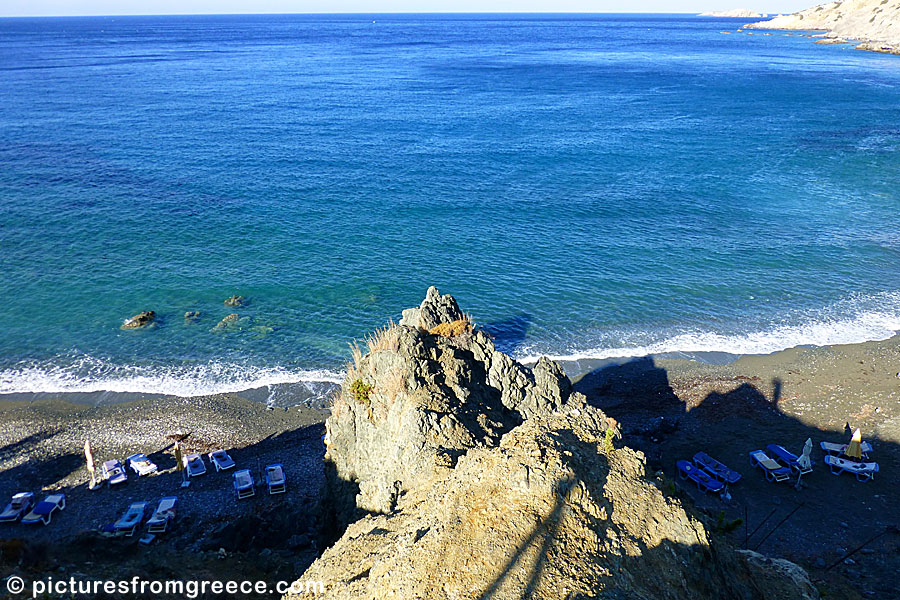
[(387, 339), (450, 330), (393, 385)]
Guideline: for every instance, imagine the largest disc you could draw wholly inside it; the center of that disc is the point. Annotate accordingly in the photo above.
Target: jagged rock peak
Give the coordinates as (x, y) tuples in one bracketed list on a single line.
[(419, 395), (434, 310)]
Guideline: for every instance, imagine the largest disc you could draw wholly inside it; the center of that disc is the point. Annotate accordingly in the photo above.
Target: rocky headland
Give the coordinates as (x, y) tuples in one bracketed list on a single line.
[(452, 471), (873, 24)]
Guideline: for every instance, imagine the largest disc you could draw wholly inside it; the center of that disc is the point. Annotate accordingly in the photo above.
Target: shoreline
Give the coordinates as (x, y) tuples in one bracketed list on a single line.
[(724, 409), (315, 394)]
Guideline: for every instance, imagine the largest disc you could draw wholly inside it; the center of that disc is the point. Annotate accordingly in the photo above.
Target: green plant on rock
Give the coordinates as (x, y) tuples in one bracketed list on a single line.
[(361, 390), (608, 440)]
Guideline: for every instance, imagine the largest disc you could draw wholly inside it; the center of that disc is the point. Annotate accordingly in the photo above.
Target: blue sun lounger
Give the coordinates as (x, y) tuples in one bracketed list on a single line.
[(715, 468), (43, 510), (863, 471), (788, 458), (704, 482), (773, 470)]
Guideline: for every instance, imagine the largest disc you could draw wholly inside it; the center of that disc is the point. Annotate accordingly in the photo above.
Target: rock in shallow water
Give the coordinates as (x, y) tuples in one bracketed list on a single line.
[(229, 322), (139, 320), (235, 301)]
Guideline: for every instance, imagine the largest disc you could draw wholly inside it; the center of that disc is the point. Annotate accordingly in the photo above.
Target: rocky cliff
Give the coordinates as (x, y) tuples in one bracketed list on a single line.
[(455, 472), (875, 24)]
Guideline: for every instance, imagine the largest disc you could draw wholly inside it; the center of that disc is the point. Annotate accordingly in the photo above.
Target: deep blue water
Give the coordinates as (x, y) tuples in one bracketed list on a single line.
[(586, 185)]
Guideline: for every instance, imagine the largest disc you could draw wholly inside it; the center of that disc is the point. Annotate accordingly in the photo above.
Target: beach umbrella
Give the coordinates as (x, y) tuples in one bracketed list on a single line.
[(854, 449), (179, 462), (90, 462), (805, 461)]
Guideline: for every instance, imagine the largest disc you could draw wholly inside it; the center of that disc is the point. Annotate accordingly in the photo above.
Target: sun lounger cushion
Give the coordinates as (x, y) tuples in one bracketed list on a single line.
[(703, 480), (772, 469), (715, 468)]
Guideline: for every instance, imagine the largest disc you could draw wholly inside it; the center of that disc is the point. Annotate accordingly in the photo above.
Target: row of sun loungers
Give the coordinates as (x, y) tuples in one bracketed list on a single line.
[(709, 474), (114, 473), (276, 483), (777, 463), (22, 506), (132, 519), (194, 465)]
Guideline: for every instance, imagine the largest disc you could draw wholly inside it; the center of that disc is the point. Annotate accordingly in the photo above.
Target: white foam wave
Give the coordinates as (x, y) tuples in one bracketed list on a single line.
[(862, 327), (89, 374)]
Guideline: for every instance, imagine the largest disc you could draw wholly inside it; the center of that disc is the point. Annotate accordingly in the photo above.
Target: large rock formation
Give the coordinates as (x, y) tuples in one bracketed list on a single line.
[(419, 399), (873, 23), (485, 479)]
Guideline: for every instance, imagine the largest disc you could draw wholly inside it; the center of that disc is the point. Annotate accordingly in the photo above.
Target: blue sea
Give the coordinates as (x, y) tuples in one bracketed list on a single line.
[(587, 186)]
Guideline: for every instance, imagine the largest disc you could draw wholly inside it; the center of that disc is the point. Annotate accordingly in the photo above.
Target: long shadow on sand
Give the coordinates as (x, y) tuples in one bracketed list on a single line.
[(835, 514)]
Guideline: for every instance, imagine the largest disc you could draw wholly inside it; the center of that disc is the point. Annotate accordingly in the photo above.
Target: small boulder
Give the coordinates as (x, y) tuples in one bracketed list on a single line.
[(139, 320), (235, 301), (228, 322), (191, 316)]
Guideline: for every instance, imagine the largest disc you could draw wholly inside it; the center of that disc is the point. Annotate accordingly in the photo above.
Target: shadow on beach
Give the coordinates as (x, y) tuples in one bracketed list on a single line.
[(825, 518)]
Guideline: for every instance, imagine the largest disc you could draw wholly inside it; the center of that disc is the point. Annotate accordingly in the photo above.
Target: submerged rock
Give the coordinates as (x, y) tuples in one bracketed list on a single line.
[(235, 301), (191, 316), (139, 320), (229, 322), (453, 471)]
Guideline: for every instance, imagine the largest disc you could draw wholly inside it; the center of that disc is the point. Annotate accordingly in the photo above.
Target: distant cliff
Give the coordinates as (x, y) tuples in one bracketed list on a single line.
[(875, 24), (735, 12)]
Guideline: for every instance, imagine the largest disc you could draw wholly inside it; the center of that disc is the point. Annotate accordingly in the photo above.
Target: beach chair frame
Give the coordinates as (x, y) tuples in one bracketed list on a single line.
[(194, 465), (242, 491), (55, 501), (214, 459), (11, 513), (132, 510), (780, 474), (838, 448), (276, 487), (163, 515), (716, 469), (862, 471), (705, 483)]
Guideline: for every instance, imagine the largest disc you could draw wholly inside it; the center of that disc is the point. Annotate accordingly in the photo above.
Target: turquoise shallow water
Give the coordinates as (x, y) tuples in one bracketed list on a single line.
[(587, 186)]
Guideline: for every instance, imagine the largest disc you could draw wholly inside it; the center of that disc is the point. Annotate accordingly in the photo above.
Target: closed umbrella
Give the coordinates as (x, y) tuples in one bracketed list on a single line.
[(89, 457), (854, 449), (805, 461), (179, 465)]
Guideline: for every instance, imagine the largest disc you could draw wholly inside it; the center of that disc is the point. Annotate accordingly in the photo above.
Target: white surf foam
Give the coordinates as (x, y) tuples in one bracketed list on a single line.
[(870, 319), (90, 374)]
